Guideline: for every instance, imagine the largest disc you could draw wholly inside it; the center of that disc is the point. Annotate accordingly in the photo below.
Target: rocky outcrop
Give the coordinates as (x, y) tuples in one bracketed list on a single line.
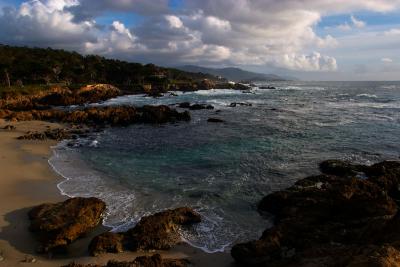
[(267, 87), (58, 225), (234, 86), (59, 96), (345, 217), (107, 243), (144, 261), (158, 231), (235, 104), (114, 116), (56, 134), (187, 105)]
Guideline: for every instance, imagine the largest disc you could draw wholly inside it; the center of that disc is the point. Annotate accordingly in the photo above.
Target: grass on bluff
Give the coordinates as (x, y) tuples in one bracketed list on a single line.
[(22, 90)]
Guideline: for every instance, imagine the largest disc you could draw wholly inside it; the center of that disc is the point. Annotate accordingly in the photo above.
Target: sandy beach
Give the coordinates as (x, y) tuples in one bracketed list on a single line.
[(27, 180)]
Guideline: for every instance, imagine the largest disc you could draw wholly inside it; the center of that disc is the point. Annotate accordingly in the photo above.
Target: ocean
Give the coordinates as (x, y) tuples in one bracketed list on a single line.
[(223, 169)]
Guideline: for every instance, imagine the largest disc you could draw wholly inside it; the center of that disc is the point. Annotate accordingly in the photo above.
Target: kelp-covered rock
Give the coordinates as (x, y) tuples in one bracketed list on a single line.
[(158, 231), (144, 261), (340, 218), (58, 225)]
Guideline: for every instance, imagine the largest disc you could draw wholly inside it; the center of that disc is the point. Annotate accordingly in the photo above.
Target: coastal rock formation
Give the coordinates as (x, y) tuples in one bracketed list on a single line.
[(106, 243), (115, 116), (158, 231), (144, 261), (235, 104), (60, 224), (195, 106), (345, 217), (59, 96), (267, 87), (56, 134)]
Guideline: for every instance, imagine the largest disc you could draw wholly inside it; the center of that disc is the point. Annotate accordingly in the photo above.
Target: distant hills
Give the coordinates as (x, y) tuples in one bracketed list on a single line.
[(233, 74)]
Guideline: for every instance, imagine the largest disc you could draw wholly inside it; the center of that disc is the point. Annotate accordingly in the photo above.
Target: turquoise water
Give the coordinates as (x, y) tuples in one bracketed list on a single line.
[(222, 170)]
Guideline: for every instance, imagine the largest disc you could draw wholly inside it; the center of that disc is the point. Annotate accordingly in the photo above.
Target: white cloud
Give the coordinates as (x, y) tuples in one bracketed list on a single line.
[(228, 32), (174, 21), (357, 23), (392, 32), (387, 60)]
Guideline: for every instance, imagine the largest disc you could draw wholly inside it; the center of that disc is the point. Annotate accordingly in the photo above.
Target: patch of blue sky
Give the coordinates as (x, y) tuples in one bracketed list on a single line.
[(175, 4), (130, 19), (373, 20)]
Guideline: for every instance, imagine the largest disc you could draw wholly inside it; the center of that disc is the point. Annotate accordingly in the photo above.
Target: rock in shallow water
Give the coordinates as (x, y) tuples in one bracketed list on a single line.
[(331, 220), (158, 231), (60, 224)]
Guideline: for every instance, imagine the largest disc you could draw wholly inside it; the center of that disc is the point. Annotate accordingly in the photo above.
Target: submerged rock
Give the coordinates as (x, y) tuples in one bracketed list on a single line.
[(144, 261), (158, 231), (58, 225), (331, 220), (215, 120)]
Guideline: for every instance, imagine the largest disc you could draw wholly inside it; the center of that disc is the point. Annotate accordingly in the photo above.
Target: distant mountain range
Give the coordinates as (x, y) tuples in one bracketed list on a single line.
[(233, 74)]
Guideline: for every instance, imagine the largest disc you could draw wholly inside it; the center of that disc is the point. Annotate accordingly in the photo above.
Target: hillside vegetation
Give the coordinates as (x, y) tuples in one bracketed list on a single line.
[(24, 69)]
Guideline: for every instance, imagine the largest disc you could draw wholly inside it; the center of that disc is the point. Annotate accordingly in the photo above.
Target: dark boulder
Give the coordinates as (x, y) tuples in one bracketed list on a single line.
[(158, 231), (330, 220), (235, 104), (106, 243), (58, 225)]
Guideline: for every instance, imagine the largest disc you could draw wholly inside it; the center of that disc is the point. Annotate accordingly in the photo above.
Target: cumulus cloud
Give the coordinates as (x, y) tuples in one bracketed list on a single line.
[(44, 23), (214, 32)]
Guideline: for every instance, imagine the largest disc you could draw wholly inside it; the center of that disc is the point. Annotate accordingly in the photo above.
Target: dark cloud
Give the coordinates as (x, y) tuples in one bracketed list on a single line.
[(90, 9)]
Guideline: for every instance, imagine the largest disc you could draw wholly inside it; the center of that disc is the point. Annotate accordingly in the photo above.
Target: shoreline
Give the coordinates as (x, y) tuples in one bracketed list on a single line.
[(26, 180)]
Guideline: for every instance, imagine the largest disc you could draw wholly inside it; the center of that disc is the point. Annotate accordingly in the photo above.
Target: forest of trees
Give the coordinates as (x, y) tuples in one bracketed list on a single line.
[(20, 66)]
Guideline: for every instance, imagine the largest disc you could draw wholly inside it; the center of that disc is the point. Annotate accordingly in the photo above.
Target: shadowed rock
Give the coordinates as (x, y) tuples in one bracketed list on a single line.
[(106, 243), (331, 220), (158, 231), (56, 134), (144, 261), (60, 224), (115, 116)]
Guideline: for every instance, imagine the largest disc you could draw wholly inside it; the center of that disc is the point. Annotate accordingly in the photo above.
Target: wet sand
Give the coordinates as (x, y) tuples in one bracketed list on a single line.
[(27, 180)]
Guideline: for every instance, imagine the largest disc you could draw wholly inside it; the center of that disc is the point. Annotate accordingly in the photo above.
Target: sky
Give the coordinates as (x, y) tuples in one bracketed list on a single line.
[(308, 39)]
